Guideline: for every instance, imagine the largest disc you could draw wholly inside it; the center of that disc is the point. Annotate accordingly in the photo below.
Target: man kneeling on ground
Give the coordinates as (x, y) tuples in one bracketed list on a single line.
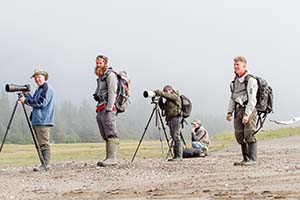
[(200, 138)]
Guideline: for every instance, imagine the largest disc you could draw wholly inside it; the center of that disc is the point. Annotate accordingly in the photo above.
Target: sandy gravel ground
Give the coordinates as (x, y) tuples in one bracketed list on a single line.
[(276, 176)]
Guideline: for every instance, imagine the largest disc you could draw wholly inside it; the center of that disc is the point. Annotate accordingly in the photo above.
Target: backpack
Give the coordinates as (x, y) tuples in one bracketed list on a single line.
[(122, 99), (186, 106), (264, 97), (191, 153)]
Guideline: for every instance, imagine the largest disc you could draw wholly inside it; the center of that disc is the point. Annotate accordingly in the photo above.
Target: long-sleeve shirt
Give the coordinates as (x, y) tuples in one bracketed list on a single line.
[(243, 95), (200, 135), (172, 106), (107, 86), (42, 103)]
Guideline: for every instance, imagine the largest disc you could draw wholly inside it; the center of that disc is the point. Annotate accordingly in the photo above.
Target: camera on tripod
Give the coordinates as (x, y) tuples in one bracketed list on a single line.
[(151, 94), (20, 89), (159, 123), (17, 88)]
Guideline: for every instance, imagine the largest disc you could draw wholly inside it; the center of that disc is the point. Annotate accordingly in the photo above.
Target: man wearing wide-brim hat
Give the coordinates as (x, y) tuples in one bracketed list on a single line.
[(40, 72), (42, 115)]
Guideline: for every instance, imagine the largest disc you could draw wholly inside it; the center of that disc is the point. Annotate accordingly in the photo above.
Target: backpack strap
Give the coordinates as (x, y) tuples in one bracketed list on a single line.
[(247, 77), (203, 135), (110, 70), (232, 83)]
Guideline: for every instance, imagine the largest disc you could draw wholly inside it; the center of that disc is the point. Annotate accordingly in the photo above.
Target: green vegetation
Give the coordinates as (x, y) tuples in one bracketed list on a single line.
[(262, 135), (16, 155)]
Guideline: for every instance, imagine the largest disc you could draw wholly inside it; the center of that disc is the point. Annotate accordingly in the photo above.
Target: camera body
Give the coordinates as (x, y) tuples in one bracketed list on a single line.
[(96, 97), (17, 88)]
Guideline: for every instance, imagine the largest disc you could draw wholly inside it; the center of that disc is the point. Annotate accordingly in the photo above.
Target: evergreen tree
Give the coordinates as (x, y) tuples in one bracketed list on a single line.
[(87, 125)]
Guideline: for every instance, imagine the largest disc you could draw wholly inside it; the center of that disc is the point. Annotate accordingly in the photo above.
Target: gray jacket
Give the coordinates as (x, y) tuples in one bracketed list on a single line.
[(200, 135), (107, 86), (242, 95)]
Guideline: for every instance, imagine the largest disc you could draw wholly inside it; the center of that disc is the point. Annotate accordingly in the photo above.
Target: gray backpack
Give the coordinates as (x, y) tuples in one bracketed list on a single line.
[(264, 98), (122, 99), (186, 106)]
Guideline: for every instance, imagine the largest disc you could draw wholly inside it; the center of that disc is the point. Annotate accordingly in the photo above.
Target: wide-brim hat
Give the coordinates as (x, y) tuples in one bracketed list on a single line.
[(40, 72), (196, 121)]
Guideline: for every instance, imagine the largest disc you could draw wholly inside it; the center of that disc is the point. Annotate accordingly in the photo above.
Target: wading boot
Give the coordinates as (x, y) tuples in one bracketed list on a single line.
[(178, 151), (244, 148), (99, 163), (252, 149), (46, 156), (112, 149)]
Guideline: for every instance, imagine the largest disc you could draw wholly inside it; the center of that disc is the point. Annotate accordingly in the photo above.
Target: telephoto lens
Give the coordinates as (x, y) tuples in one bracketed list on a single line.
[(17, 88), (149, 94)]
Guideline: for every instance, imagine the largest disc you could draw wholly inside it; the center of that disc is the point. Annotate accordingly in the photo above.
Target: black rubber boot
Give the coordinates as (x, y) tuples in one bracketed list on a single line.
[(252, 149), (46, 156), (244, 148), (178, 151)]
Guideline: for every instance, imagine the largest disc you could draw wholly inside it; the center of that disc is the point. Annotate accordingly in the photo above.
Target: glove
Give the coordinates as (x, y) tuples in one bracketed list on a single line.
[(96, 97)]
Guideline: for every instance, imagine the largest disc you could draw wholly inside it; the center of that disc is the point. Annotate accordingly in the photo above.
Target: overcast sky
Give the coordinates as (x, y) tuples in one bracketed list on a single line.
[(188, 44)]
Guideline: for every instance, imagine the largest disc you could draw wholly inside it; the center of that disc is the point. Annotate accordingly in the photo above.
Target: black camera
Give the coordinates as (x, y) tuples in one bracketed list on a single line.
[(17, 88), (96, 97)]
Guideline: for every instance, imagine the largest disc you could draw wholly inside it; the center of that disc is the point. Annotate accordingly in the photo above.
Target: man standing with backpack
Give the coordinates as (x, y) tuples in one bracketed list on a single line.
[(242, 103), (172, 110), (105, 95)]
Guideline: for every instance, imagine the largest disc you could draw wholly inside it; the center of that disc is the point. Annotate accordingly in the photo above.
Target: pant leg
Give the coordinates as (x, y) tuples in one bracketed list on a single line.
[(196, 145), (174, 125), (42, 135), (239, 126), (108, 124), (250, 128), (244, 133), (100, 125)]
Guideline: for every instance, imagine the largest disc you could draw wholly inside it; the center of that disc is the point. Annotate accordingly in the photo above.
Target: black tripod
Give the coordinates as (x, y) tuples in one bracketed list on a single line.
[(36, 143), (158, 123)]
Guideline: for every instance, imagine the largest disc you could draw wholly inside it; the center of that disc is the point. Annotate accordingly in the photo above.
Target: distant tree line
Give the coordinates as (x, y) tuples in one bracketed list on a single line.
[(77, 123)]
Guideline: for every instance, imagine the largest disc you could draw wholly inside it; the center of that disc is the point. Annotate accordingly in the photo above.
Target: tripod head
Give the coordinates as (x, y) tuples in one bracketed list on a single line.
[(20, 94), (154, 100)]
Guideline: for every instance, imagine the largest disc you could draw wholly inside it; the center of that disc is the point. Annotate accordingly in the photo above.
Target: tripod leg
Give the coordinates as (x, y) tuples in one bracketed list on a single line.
[(170, 150), (166, 136), (183, 140), (143, 133), (9, 123), (36, 143), (157, 123)]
